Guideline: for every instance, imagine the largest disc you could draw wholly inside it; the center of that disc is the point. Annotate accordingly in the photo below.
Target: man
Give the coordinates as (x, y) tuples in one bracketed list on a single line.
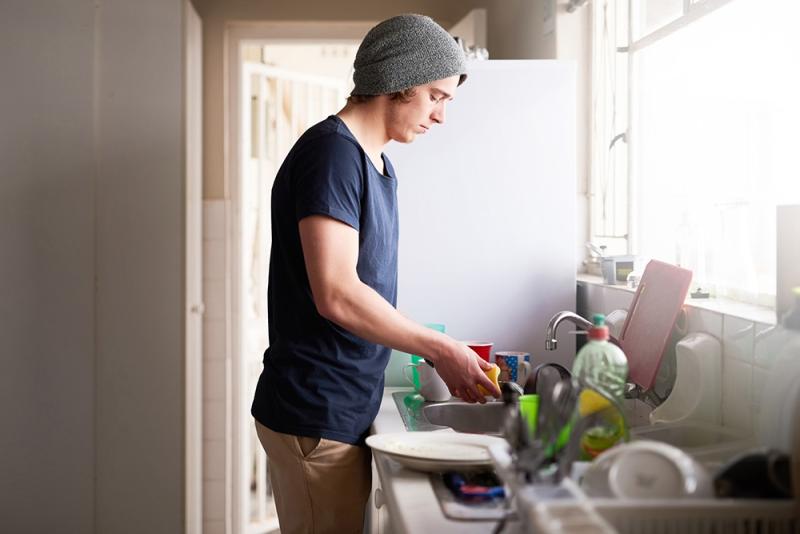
[(333, 281)]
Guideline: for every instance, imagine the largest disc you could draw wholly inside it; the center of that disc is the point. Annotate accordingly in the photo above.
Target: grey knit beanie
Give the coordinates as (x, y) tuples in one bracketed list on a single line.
[(406, 51)]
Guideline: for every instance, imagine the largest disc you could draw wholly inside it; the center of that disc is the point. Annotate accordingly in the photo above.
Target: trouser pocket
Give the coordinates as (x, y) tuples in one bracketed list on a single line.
[(306, 445)]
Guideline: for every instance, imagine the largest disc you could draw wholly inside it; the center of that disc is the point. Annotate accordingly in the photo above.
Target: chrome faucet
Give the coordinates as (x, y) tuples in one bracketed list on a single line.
[(632, 391), (551, 343)]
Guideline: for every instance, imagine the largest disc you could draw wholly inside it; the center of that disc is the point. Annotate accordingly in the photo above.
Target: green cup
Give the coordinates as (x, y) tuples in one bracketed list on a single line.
[(416, 359), (529, 408)]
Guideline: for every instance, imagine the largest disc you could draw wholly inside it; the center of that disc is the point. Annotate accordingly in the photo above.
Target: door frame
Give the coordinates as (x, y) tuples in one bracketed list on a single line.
[(194, 307), (237, 34)]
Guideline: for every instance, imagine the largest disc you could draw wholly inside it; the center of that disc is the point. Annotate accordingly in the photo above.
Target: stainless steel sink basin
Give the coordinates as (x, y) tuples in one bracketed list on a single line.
[(463, 417), (419, 415)]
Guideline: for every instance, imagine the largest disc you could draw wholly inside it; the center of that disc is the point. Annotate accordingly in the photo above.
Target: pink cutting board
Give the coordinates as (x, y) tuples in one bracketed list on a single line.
[(651, 317)]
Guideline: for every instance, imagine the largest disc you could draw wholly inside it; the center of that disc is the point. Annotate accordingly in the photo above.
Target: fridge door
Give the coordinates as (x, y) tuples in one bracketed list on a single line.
[(487, 209)]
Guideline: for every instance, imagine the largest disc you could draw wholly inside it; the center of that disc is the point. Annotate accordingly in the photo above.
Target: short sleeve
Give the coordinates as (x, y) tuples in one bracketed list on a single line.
[(329, 180)]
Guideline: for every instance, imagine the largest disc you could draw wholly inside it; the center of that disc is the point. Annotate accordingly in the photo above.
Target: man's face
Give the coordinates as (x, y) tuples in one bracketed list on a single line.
[(426, 108)]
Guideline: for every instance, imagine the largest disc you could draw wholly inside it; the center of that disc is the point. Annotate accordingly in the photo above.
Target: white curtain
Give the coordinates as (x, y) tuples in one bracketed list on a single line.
[(716, 131), (714, 137)]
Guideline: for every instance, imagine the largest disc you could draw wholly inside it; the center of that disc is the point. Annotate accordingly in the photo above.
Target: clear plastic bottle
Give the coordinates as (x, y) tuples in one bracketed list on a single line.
[(602, 366)]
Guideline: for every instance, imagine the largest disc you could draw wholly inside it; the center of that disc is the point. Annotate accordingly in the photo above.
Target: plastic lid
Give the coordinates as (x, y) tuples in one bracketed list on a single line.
[(599, 332)]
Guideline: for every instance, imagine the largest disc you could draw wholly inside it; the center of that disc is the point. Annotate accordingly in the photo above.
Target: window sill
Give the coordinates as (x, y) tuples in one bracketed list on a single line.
[(750, 312)]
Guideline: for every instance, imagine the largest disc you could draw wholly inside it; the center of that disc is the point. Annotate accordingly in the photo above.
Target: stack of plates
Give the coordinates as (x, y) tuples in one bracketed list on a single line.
[(436, 451)]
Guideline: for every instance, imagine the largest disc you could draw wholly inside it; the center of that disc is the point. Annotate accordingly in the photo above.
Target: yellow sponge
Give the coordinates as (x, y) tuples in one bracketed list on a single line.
[(493, 373)]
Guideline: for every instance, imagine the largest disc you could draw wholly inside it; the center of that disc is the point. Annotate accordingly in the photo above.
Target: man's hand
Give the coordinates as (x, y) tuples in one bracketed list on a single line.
[(462, 370)]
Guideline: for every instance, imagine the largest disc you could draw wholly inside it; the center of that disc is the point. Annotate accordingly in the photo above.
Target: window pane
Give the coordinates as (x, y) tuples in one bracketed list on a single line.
[(610, 197), (650, 15), (715, 144)]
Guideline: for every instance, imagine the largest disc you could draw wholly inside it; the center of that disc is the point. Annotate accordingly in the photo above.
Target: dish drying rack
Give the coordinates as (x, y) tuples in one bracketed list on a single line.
[(575, 512), (559, 505)]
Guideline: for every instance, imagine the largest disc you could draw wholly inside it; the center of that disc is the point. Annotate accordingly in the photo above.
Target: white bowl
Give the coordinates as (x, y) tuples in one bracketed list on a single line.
[(646, 470)]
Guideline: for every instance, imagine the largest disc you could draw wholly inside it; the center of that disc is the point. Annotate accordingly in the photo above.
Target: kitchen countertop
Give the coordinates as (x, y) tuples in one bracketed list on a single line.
[(409, 495)]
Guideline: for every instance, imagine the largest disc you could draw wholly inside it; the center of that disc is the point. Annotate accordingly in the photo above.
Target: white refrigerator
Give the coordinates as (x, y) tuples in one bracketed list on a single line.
[(487, 211)]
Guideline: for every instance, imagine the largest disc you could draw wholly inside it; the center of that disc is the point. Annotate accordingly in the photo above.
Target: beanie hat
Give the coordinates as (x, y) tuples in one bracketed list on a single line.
[(406, 51)]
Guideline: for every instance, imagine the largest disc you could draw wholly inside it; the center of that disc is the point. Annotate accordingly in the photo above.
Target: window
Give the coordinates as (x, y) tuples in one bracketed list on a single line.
[(710, 116)]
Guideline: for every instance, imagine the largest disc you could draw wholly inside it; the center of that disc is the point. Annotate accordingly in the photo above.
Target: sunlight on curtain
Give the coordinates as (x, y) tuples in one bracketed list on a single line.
[(716, 144)]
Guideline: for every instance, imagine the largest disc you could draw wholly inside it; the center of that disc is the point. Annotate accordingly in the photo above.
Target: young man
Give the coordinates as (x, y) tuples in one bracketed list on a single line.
[(333, 281)]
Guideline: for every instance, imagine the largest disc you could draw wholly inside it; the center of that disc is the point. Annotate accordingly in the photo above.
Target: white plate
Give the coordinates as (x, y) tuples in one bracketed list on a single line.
[(646, 470), (436, 451)]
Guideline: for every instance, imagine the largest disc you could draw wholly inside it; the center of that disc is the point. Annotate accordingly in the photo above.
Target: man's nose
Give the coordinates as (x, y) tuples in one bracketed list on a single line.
[(438, 114)]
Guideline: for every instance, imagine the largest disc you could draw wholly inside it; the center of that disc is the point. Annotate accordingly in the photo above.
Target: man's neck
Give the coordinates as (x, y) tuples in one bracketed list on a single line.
[(366, 122)]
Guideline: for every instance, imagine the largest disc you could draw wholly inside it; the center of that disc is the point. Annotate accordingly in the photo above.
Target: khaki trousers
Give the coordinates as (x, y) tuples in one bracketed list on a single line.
[(320, 485)]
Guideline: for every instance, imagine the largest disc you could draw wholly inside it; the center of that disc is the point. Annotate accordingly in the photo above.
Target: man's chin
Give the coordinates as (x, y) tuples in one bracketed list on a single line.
[(406, 139)]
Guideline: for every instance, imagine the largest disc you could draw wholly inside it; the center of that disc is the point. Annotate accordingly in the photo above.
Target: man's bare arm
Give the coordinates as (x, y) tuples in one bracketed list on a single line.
[(330, 249)]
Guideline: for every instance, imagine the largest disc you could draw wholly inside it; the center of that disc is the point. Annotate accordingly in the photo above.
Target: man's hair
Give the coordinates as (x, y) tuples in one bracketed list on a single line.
[(403, 96)]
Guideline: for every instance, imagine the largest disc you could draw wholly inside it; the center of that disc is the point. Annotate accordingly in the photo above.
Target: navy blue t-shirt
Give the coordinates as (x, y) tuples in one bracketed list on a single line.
[(319, 380)]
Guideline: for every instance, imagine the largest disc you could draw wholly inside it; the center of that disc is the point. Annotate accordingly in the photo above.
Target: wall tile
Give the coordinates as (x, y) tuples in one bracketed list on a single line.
[(213, 339), (737, 338), (213, 220), (214, 298), (760, 377), (769, 340), (214, 420), (214, 459), (214, 379), (700, 320), (737, 395), (616, 299), (213, 260), (214, 500)]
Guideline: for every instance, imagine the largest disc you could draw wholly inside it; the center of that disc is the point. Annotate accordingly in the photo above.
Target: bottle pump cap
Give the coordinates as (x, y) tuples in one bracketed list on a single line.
[(599, 332)]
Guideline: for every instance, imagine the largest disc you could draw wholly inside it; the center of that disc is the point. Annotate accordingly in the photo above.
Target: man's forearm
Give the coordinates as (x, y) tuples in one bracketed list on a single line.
[(359, 309)]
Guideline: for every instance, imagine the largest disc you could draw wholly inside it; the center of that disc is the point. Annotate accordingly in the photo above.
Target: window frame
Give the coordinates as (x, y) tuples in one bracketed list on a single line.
[(692, 10)]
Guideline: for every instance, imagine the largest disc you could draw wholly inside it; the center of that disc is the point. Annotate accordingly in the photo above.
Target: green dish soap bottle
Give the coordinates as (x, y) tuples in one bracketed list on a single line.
[(604, 367)]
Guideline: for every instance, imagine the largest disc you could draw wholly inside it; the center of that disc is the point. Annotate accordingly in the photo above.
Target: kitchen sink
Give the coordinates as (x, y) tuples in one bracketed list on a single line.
[(419, 415), (464, 417), (709, 444)]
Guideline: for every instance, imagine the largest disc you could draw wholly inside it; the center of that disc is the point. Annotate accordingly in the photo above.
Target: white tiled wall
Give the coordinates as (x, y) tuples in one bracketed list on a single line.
[(216, 373), (749, 348)]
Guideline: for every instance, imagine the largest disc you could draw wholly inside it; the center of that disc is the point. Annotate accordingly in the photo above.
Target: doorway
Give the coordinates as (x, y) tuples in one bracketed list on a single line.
[(283, 78), (286, 89)]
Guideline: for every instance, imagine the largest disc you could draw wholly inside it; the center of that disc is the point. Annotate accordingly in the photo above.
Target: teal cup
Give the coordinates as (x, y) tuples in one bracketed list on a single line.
[(416, 359)]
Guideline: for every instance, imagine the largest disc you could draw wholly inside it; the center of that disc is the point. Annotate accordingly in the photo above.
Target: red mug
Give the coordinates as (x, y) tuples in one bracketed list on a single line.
[(481, 348)]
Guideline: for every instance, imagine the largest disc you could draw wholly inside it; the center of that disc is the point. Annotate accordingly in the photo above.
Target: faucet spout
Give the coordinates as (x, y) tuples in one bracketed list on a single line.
[(551, 343)]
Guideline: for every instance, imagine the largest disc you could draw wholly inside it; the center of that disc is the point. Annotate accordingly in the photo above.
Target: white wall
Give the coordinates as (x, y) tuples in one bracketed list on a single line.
[(47, 268), (91, 211), (139, 240), (486, 209)]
